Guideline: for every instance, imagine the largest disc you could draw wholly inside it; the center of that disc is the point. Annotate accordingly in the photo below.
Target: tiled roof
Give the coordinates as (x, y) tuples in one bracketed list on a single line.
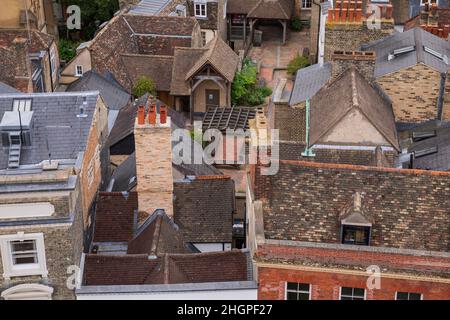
[(409, 209), (114, 96), (115, 216), (157, 68), (119, 47), (55, 124), (347, 92), (263, 9), (167, 269), (308, 81), (189, 61), (416, 37), (203, 209)]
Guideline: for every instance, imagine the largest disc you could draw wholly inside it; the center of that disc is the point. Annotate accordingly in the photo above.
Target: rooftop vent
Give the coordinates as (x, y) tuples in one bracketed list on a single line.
[(400, 51), (422, 135)]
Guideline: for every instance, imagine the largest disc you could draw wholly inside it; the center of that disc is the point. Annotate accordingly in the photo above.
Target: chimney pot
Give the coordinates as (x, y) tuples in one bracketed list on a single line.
[(141, 115), (163, 114), (152, 114)]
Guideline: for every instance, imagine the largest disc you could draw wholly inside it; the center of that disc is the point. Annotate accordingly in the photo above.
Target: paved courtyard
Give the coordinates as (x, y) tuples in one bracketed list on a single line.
[(273, 56)]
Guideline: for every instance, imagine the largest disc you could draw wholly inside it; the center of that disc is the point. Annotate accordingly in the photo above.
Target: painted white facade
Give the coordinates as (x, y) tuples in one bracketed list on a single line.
[(245, 290)]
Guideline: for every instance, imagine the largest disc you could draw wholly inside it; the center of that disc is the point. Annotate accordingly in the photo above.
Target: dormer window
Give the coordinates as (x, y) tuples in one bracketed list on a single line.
[(200, 9), (357, 235), (355, 227)]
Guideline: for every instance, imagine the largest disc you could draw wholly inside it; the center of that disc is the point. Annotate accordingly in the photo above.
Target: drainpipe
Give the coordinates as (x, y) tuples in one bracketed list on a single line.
[(308, 151)]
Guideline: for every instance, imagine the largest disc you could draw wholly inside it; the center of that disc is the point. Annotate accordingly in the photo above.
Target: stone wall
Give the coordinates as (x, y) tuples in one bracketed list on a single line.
[(414, 93), (59, 256), (291, 121), (350, 36), (363, 61), (212, 11)]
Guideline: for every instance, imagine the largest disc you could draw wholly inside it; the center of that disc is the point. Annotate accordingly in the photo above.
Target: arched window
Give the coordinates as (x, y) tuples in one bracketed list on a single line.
[(28, 292)]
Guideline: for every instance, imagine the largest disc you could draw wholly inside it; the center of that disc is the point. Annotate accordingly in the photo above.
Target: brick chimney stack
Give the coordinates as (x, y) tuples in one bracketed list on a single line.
[(154, 161), (364, 61)]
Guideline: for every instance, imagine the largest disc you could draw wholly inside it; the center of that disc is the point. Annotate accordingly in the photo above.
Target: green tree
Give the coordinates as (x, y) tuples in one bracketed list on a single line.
[(144, 85), (67, 49), (245, 90), (297, 63), (93, 14)]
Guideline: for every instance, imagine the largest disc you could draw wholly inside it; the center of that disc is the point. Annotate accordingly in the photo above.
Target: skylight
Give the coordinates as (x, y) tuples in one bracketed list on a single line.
[(425, 152), (438, 55), (400, 51)]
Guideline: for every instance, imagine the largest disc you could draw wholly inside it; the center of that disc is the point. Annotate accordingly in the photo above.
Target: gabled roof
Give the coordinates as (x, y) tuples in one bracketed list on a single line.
[(220, 56), (115, 97), (348, 92), (189, 61), (54, 121), (308, 81), (138, 269), (417, 38), (263, 9)]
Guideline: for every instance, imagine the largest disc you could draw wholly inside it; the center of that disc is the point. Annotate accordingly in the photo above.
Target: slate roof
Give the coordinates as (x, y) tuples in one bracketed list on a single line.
[(149, 7), (203, 209), (173, 268), (439, 160), (347, 92), (4, 88), (263, 9), (415, 37), (54, 120), (409, 209), (115, 97), (308, 81), (189, 61)]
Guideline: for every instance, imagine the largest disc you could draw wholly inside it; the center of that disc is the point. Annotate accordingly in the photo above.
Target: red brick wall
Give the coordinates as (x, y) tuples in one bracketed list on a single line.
[(325, 286)]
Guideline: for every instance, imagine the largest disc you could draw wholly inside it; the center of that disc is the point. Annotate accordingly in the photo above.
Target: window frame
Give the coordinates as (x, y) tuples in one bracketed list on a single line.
[(32, 269), (353, 295), (53, 60), (77, 74), (346, 225), (298, 291), (304, 2), (201, 4), (397, 292)]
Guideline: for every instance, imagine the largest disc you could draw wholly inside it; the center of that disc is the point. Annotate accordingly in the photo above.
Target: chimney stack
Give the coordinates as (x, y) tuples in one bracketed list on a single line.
[(364, 61), (153, 144), (141, 115)]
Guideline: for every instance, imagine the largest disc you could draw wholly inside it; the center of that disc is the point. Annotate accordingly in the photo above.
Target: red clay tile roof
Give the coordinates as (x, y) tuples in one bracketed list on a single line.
[(167, 269), (263, 9), (114, 217)]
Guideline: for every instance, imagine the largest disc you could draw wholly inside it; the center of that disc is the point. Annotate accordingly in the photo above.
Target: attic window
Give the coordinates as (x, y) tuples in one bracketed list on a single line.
[(400, 51), (425, 152), (438, 55), (423, 135), (356, 235), (22, 105), (200, 9)]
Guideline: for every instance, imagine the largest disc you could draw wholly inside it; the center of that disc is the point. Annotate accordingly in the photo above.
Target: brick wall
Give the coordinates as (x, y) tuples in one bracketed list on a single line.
[(326, 285), (351, 36), (414, 92), (402, 272), (154, 167)]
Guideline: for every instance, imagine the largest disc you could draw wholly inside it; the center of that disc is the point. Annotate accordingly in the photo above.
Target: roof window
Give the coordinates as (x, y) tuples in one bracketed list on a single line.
[(400, 51)]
